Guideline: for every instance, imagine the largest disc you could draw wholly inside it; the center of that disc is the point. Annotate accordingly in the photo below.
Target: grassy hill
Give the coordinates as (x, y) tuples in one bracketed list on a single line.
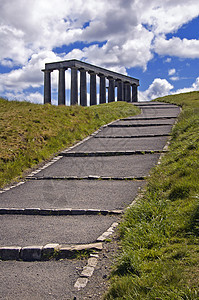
[(31, 133), (160, 234)]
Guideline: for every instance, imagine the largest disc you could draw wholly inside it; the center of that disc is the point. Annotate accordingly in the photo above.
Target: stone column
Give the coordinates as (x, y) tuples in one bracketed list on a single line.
[(93, 96), (102, 88), (127, 95), (83, 88), (61, 87), (47, 86), (134, 93), (120, 90), (74, 87), (111, 90)]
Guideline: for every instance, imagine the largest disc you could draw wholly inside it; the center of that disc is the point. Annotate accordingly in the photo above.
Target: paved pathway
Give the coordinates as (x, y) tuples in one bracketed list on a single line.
[(76, 199)]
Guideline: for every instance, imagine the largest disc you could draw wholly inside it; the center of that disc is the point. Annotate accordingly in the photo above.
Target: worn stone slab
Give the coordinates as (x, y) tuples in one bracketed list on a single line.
[(137, 131), (76, 194), (45, 252), (10, 253), (60, 212), (92, 262), (81, 282), (31, 253), (92, 246), (66, 251), (87, 271), (127, 166), (24, 231), (121, 144), (49, 249)]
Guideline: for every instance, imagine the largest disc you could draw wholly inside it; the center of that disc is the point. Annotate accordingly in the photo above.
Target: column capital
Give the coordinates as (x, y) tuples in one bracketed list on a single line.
[(82, 70), (47, 71), (92, 73), (101, 75)]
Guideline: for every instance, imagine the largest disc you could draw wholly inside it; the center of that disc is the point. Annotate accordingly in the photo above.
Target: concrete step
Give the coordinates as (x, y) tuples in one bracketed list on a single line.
[(160, 112), (122, 144), (75, 194), (135, 131), (146, 122), (154, 104), (40, 280), (120, 166), (134, 125), (141, 118), (25, 231)]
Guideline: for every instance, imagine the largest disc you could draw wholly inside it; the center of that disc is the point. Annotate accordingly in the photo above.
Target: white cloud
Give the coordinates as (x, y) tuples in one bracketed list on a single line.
[(30, 97), (161, 87), (43, 25), (158, 88), (118, 53), (167, 16), (30, 74), (175, 46), (174, 78), (130, 30), (192, 88), (168, 60), (172, 72)]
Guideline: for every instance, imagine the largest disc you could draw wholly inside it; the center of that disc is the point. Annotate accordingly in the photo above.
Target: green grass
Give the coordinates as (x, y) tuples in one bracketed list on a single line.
[(32, 133), (160, 234)]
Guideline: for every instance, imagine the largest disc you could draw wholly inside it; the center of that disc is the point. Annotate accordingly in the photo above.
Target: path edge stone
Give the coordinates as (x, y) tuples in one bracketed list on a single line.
[(46, 252)]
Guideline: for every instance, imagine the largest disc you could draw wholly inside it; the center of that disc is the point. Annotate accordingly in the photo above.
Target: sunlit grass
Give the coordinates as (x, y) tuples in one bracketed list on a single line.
[(159, 235), (32, 133)]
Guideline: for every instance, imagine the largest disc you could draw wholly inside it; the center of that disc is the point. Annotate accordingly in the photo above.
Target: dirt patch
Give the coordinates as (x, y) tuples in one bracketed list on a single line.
[(99, 283)]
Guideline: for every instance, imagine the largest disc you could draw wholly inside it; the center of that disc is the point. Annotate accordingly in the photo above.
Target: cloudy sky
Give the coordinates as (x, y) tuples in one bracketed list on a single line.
[(156, 41)]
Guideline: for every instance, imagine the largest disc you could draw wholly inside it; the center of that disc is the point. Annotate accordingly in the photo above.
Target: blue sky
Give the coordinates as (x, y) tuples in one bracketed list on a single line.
[(154, 41)]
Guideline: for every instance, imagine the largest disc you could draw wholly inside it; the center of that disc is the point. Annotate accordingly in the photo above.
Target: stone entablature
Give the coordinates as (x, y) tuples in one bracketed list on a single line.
[(126, 85)]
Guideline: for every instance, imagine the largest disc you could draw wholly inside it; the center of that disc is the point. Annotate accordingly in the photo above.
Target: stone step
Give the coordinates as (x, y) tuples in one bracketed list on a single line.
[(130, 124), (144, 122), (130, 136), (136, 131), (154, 104), (57, 212), (159, 106), (123, 144), (140, 118), (39, 280), (75, 194), (160, 112), (121, 166), (110, 153), (23, 231)]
